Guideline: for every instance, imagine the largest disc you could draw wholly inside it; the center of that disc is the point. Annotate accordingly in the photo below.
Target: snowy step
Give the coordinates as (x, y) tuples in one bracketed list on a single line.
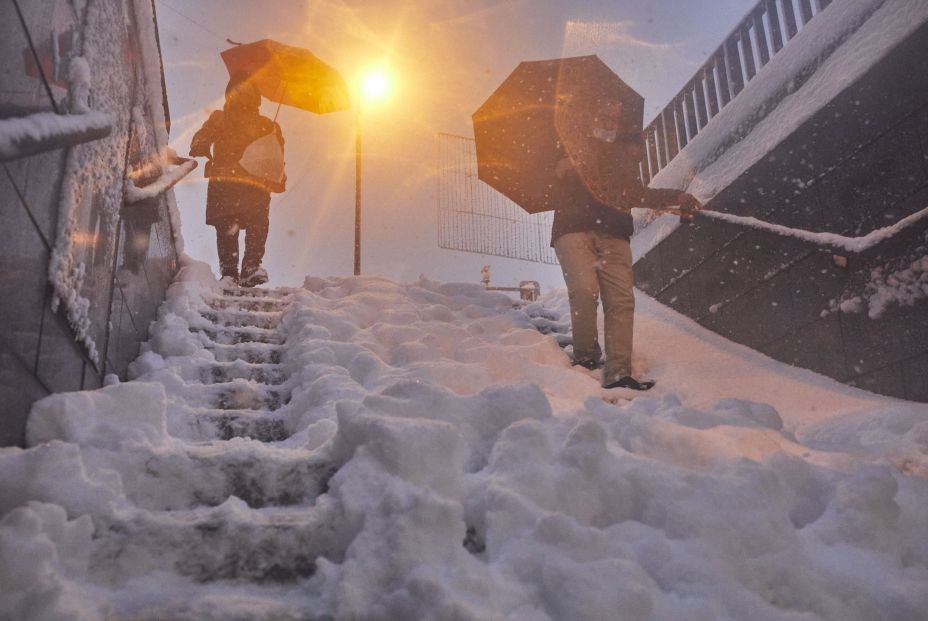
[(229, 542), (247, 304), (223, 372), (254, 292), (254, 353), (245, 396), (234, 336), (217, 424), (243, 319), (209, 474), (152, 602)]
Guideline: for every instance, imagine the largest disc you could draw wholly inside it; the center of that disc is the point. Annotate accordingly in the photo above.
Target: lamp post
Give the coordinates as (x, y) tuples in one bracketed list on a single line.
[(357, 189), (371, 87)]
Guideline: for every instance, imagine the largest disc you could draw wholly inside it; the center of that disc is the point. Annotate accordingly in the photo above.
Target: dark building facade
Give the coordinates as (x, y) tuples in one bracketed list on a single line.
[(857, 166), (82, 269)]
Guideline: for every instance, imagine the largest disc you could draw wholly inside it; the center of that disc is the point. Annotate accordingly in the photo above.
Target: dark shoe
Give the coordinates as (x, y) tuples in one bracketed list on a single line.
[(592, 365), (253, 276), (631, 382)]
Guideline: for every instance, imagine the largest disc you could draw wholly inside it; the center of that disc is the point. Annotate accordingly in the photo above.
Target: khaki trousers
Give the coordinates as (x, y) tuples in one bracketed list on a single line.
[(595, 265)]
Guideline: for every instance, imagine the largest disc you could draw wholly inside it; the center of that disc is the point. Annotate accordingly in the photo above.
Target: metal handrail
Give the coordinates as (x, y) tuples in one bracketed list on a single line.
[(763, 33)]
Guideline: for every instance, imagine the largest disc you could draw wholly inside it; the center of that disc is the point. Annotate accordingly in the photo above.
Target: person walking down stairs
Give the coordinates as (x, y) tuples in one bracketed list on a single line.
[(245, 151)]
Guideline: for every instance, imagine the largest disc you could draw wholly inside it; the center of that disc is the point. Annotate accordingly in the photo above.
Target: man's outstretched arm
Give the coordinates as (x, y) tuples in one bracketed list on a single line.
[(659, 198)]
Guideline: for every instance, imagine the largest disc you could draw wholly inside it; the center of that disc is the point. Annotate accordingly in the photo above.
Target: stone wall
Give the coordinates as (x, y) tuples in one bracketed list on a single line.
[(125, 253)]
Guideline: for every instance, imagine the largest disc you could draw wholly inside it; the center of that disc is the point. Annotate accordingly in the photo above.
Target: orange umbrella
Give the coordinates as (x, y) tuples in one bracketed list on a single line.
[(289, 75)]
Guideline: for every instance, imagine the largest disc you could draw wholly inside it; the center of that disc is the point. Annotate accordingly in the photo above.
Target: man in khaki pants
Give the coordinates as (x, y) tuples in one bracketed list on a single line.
[(591, 240)]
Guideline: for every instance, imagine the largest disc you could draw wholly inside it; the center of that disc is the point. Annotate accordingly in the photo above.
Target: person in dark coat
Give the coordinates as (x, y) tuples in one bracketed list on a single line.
[(592, 243), (237, 199)]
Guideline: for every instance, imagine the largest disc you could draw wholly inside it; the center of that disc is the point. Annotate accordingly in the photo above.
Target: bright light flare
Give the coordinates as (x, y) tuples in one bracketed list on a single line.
[(375, 85)]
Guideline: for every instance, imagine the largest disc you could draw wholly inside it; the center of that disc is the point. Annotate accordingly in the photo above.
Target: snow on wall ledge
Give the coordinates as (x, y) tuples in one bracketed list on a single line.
[(824, 58), (442, 460), (45, 131)]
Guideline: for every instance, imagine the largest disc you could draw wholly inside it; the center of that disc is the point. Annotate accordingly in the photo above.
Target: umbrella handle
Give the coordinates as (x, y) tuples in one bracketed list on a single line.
[(280, 87)]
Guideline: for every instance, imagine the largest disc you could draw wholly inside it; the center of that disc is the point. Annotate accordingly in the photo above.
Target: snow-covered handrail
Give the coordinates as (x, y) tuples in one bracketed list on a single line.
[(766, 30), (850, 244), (46, 131), (162, 184)]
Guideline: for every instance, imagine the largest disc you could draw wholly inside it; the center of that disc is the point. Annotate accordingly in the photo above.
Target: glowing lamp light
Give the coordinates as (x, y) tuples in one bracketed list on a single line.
[(375, 85)]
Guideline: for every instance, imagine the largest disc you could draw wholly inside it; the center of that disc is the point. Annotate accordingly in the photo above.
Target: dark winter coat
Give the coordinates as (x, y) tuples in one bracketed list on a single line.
[(587, 214), (233, 193)]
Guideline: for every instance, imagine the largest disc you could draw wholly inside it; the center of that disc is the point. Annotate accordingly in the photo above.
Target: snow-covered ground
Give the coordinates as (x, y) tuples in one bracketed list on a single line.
[(361, 449)]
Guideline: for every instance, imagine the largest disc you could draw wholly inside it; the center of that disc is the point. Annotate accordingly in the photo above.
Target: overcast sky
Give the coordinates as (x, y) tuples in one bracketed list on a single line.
[(446, 58)]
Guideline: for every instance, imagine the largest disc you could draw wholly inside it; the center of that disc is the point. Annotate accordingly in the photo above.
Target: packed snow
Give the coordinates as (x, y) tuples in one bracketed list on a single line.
[(362, 449)]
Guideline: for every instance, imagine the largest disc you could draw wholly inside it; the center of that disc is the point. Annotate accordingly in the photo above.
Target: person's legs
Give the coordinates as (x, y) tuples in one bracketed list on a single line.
[(227, 246), (578, 261), (255, 240), (256, 229), (616, 281)]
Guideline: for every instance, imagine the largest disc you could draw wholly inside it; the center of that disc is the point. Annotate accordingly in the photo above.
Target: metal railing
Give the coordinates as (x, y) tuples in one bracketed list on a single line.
[(473, 217), (766, 30)]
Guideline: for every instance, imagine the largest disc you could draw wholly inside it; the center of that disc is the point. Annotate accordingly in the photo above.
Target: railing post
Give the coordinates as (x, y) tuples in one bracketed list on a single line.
[(790, 16), (700, 101), (733, 65), (760, 34), (776, 33), (709, 76), (652, 155), (748, 50), (670, 133), (680, 122), (692, 127), (659, 130), (724, 86), (805, 11)]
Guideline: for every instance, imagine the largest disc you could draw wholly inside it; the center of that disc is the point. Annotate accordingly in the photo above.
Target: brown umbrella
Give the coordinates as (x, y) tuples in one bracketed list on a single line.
[(551, 117), (289, 75)]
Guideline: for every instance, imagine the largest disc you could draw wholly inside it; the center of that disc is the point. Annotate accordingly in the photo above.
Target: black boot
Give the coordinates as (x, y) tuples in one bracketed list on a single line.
[(630, 382)]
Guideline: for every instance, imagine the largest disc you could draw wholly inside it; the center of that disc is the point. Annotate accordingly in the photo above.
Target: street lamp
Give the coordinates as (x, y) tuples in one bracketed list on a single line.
[(373, 86)]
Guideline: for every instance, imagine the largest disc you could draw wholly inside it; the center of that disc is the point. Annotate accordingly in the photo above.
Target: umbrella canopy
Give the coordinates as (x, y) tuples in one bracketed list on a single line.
[(549, 117), (289, 75)]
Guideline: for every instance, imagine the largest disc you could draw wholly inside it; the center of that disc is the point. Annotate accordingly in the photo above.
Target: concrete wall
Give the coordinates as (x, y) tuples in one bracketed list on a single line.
[(128, 252), (860, 164)]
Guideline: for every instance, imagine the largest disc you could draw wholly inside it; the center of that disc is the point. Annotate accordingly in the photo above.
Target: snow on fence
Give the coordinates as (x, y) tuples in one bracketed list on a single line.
[(473, 217), (766, 30)]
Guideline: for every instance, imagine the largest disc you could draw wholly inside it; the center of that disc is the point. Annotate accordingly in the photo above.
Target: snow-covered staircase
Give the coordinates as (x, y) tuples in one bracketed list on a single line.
[(215, 497), (272, 516), (237, 393), (362, 449)]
